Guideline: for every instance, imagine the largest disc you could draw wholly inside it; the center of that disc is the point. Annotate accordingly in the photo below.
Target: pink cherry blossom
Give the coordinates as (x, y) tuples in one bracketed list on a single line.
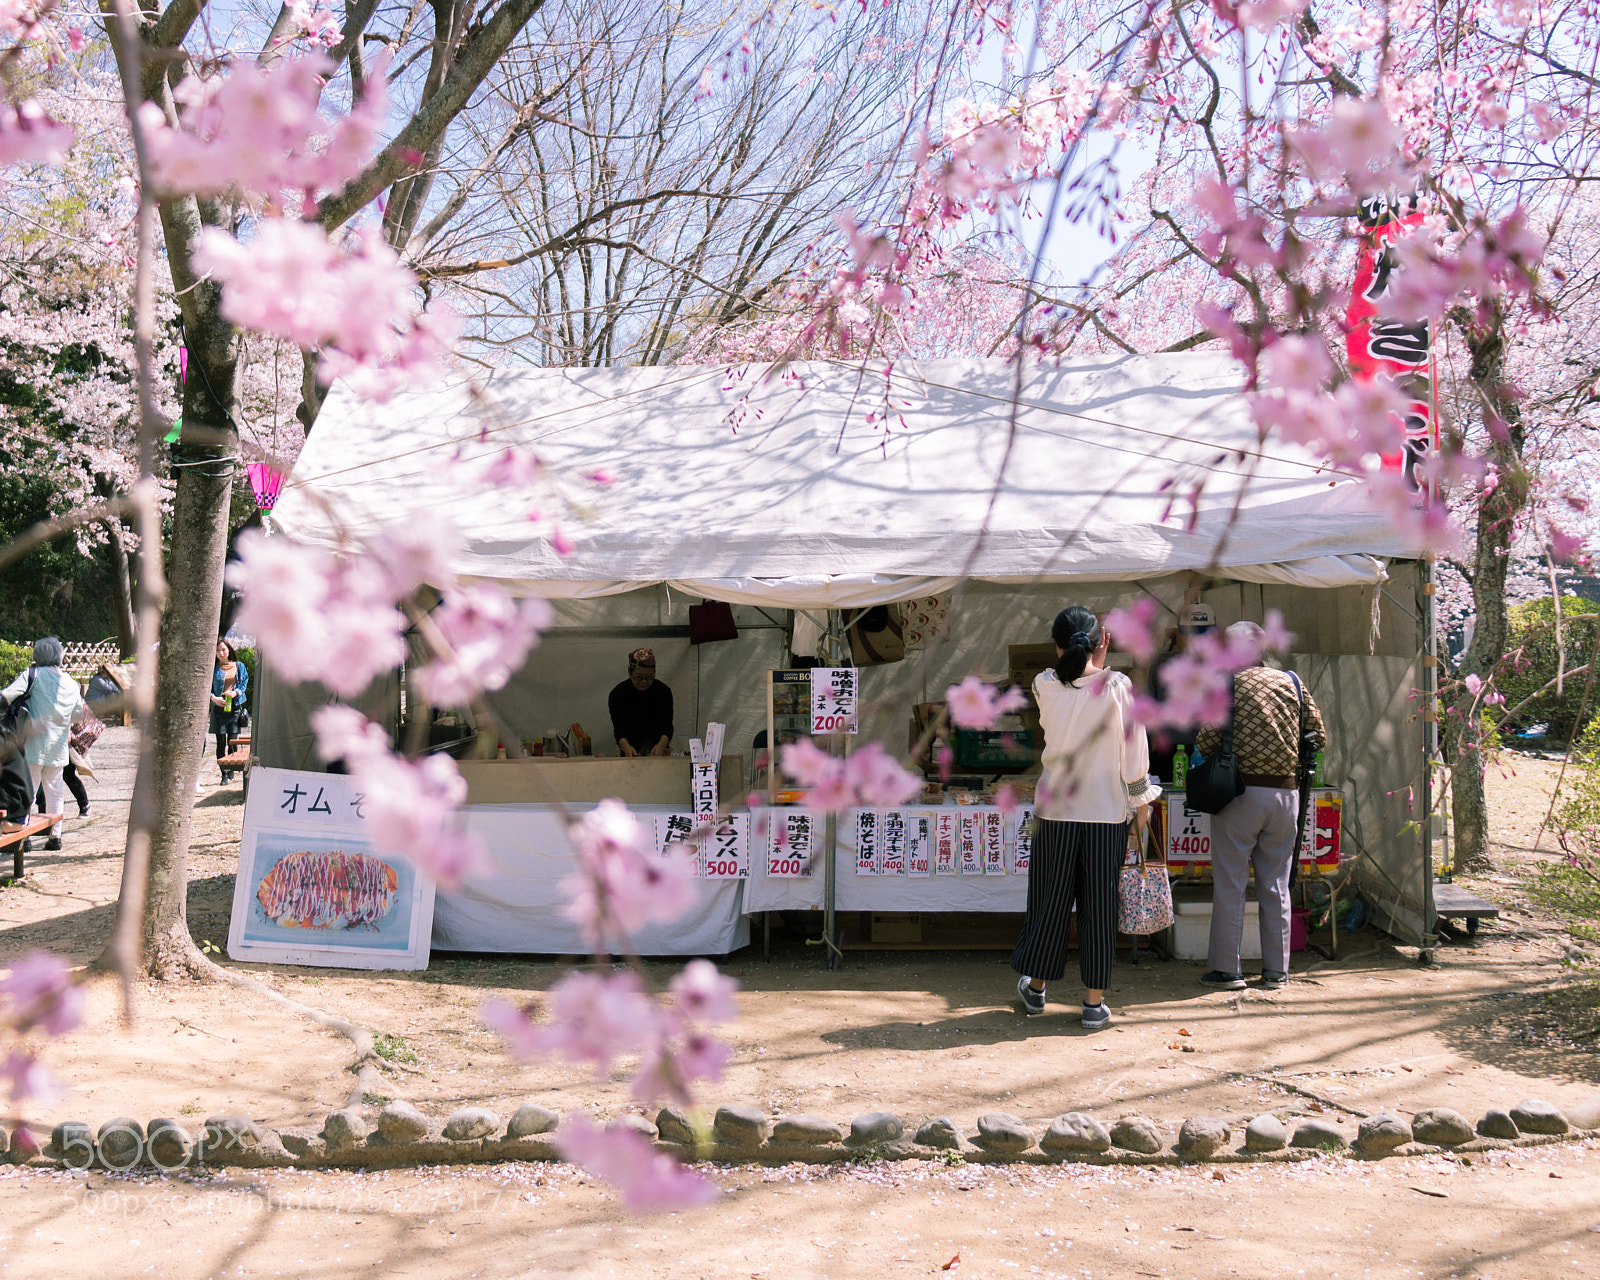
[(1131, 627), (29, 136), (30, 1078), (417, 550), (599, 1017), (1474, 684), (410, 811), (321, 617), (489, 635), (878, 779), (257, 130), (807, 763), (357, 301), (648, 1181), (704, 993), (1297, 362), (625, 881), (38, 991), (976, 705)]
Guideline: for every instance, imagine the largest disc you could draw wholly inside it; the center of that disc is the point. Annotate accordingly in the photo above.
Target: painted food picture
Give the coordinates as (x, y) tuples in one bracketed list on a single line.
[(330, 889)]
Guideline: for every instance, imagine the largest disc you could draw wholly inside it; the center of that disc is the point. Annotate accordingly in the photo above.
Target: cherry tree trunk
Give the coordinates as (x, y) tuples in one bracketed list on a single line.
[(1498, 512), (121, 590)]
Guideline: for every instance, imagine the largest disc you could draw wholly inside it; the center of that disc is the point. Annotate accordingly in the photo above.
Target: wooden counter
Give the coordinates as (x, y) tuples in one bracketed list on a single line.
[(589, 779)]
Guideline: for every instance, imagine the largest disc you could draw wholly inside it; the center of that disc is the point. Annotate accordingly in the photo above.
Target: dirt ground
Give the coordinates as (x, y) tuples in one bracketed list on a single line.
[(1500, 1017)]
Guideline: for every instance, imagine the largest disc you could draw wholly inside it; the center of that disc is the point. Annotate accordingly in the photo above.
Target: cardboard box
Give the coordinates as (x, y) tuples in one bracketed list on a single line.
[(896, 927), (1027, 661)]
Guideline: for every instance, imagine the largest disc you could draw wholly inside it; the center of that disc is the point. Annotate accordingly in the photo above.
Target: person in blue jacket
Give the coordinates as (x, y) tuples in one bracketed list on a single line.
[(230, 682)]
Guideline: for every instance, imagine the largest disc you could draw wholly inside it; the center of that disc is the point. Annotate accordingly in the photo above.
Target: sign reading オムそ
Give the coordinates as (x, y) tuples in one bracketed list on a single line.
[(835, 693)]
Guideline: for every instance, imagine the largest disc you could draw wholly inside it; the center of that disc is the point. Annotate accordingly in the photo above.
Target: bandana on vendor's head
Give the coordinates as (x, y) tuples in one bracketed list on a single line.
[(642, 658)]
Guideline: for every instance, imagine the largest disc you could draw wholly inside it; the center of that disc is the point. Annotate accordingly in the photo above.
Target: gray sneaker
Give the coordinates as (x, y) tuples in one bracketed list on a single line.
[(1032, 1001), (1096, 1016)]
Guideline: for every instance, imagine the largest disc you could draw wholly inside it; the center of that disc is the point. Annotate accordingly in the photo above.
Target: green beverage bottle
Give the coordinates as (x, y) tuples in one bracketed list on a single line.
[(1180, 767)]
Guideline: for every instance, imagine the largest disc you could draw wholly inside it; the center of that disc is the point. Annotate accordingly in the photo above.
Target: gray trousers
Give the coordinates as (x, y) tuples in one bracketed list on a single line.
[(1256, 828)]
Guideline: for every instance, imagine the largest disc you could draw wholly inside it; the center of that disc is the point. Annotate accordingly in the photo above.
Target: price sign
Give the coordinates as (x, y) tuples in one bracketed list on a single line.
[(703, 780), (919, 842), (680, 829), (835, 694), (1321, 841), (993, 825), (944, 843), (791, 841), (1188, 833), (894, 842), (969, 845), (727, 849), (1023, 843), (867, 859)]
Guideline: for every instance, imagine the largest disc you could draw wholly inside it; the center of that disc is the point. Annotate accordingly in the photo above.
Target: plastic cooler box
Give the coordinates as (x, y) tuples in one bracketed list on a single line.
[(1191, 930)]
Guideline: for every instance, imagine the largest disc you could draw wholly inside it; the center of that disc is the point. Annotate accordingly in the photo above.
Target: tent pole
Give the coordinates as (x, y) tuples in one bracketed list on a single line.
[(1430, 749)]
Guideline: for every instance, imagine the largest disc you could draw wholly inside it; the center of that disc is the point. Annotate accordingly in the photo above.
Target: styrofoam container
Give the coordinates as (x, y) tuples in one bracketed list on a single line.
[(1191, 931)]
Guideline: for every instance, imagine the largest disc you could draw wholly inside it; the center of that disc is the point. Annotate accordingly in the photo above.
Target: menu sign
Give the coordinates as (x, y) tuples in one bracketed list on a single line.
[(835, 695)]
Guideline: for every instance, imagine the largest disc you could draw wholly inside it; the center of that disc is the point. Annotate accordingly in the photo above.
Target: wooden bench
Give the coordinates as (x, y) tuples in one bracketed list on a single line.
[(16, 839)]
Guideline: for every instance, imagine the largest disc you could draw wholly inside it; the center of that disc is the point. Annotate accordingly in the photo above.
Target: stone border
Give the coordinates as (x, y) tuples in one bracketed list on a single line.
[(403, 1137)]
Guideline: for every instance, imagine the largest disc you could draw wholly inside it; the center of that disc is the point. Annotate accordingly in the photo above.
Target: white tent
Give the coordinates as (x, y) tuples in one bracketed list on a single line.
[(816, 486), (776, 489)]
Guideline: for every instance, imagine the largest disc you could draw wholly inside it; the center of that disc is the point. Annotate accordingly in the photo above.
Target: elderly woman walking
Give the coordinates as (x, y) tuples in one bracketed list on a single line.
[(55, 704)]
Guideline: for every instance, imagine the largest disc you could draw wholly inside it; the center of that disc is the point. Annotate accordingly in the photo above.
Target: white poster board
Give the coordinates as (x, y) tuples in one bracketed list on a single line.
[(835, 694), (312, 889)]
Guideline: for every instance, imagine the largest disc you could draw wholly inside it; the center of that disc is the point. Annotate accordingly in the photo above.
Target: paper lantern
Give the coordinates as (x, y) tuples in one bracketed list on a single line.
[(265, 481)]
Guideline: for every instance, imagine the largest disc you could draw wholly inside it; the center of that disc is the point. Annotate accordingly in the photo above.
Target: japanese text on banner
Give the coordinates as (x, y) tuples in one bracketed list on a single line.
[(944, 843), (867, 842), (994, 842), (835, 693), (919, 841), (727, 849), (1023, 843), (791, 843), (680, 828), (704, 782), (894, 842), (969, 845)]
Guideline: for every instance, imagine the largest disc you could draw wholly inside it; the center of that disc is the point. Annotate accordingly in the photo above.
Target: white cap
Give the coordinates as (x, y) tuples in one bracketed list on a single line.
[(1197, 619)]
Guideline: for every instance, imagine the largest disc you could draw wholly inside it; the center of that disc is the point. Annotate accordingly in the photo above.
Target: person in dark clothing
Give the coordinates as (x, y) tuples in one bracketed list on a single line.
[(641, 709), (1194, 620)]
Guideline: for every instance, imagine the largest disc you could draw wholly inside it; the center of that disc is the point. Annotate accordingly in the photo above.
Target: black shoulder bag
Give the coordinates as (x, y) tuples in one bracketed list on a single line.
[(14, 722), (1305, 766), (1216, 782)]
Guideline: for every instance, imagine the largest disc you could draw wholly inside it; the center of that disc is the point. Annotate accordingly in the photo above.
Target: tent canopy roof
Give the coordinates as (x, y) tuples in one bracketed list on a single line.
[(777, 489)]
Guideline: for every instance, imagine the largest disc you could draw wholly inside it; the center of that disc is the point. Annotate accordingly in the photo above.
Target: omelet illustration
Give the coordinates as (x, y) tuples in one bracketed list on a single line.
[(328, 890)]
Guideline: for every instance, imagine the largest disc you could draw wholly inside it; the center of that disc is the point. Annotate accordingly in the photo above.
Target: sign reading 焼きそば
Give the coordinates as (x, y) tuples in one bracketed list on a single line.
[(313, 889), (994, 842), (867, 836), (835, 694), (792, 839)]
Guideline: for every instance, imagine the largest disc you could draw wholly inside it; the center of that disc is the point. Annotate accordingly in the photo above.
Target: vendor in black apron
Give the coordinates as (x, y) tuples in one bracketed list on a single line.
[(641, 709)]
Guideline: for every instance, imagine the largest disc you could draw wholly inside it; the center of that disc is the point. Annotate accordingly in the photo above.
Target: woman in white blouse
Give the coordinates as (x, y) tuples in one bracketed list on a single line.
[(1095, 780)]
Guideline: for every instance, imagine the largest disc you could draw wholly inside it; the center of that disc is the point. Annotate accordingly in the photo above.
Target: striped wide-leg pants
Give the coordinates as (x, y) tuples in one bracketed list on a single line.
[(1074, 864)]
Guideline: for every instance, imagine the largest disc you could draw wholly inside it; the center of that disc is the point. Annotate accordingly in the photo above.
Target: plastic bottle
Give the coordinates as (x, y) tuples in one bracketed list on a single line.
[(1180, 766)]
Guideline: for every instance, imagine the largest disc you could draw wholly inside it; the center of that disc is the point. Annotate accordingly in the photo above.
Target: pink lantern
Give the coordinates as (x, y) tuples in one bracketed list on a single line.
[(265, 481)]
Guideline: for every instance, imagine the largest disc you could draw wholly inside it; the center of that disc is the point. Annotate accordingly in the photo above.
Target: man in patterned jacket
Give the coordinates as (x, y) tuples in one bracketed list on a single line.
[(1259, 827)]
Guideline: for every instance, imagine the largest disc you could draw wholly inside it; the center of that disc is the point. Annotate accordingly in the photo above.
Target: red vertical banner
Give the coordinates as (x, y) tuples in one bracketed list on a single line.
[(1378, 346)]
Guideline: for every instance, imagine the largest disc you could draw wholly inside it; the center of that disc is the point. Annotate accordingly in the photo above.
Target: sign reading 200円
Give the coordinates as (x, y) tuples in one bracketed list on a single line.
[(835, 696)]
